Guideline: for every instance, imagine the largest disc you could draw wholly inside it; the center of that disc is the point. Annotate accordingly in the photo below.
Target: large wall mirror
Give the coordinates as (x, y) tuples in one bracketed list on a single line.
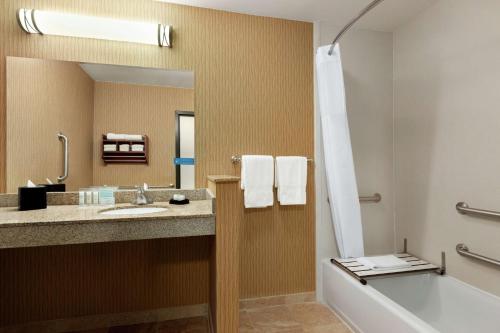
[(122, 126)]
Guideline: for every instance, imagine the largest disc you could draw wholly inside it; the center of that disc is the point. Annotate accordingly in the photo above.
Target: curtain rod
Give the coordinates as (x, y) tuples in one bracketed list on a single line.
[(372, 5)]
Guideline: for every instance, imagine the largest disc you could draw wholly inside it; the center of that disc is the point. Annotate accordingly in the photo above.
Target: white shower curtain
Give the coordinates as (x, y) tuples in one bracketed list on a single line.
[(339, 164)]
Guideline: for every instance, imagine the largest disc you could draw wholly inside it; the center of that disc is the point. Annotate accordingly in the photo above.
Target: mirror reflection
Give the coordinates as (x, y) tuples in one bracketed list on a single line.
[(82, 125)]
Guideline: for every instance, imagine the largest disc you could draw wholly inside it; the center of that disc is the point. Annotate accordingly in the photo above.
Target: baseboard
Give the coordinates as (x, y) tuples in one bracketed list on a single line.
[(252, 303), (109, 320)]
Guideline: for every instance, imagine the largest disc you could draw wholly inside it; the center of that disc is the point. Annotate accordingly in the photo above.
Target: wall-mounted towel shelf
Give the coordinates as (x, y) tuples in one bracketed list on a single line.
[(463, 208), (125, 157), (463, 250), (237, 159)]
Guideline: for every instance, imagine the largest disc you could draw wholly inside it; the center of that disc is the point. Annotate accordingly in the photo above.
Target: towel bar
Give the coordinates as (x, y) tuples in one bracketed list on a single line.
[(463, 208), (237, 159), (463, 250)]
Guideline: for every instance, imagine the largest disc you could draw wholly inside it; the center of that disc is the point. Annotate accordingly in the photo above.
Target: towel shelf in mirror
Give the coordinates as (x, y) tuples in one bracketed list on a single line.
[(118, 155)]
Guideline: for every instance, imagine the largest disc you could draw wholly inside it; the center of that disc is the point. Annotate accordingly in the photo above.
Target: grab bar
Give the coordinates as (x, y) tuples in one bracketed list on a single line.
[(64, 140), (377, 197), (463, 250), (464, 209)]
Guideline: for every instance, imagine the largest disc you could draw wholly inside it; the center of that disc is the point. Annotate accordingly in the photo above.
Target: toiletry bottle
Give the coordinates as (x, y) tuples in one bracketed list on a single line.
[(88, 196), (95, 196), (81, 197)]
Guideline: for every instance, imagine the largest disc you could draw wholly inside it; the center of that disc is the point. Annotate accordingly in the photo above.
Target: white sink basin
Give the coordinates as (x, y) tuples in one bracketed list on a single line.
[(133, 211)]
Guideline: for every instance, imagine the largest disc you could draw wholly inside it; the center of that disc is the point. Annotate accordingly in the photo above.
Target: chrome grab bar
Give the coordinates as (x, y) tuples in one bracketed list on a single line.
[(64, 140), (464, 209), (463, 250), (377, 197)]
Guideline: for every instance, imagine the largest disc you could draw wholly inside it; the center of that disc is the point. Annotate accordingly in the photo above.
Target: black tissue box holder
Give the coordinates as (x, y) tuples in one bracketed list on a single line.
[(31, 198), (55, 187)]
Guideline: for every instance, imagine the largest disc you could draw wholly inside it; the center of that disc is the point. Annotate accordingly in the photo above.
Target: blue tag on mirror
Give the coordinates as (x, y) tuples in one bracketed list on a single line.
[(183, 161)]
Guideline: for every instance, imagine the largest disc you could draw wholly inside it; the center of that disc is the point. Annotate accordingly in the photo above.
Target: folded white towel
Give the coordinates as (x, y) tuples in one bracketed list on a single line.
[(383, 262), (109, 147), (124, 147), (291, 179), (137, 148), (257, 177), (129, 137)]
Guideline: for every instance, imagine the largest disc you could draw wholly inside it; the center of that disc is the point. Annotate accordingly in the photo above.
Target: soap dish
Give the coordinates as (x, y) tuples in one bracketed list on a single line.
[(179, 202)]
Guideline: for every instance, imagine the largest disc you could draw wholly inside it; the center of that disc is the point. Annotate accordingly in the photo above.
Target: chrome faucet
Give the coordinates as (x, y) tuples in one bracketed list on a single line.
[(141, 198)]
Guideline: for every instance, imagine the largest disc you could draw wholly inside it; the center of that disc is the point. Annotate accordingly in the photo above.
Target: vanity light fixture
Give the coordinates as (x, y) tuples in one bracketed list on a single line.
[(72, 25)]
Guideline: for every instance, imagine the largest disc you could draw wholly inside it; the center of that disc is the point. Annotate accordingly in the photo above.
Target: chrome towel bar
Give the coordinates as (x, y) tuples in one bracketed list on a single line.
[(463, 250), (237, 159), (463, 208)]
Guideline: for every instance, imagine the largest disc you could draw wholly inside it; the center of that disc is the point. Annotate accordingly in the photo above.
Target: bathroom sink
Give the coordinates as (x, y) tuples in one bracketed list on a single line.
[(133, 211)]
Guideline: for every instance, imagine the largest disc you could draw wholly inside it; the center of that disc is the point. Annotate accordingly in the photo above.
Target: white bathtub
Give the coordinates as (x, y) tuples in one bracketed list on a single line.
[(411, 303)]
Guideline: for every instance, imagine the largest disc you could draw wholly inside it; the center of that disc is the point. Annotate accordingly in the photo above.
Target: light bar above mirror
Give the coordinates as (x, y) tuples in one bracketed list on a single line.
[(72, 25)]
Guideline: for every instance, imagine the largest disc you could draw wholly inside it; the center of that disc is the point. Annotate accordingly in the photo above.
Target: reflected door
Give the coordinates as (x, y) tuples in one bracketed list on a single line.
[(184, 150)]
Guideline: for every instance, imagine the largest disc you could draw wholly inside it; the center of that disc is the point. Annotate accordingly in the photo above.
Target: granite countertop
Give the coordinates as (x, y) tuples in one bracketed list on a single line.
[(70, 214), (72, 224)]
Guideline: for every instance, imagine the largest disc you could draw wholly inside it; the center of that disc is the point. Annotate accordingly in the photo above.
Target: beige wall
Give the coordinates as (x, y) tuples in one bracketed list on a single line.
[(126, 108), (44, 98), (447, 79)]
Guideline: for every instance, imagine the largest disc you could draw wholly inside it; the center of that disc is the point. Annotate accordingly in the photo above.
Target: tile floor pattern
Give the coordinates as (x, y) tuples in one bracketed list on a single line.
[(309, 317)]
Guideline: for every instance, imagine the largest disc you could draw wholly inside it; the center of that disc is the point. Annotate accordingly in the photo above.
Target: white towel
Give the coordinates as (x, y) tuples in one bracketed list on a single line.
[(257, 177), (381, 263), (137, 148), (109, 147), (291, 179), (124, 147), (129, 137)]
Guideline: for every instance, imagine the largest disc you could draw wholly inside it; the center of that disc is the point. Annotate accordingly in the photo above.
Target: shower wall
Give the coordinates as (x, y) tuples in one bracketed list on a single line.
[(447, 120), (367, 62)]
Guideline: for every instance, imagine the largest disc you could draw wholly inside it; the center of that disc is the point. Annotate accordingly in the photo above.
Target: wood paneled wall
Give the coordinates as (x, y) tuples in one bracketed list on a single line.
[(127, 108), (66, 281), (44, 98), (253, 94)]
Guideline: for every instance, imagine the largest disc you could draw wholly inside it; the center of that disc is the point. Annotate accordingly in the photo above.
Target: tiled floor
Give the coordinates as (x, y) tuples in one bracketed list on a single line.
[(307, 317)]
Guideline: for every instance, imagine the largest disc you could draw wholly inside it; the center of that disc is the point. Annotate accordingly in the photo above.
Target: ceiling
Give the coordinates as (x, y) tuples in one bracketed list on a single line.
[(139, 75), (389, 15)]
